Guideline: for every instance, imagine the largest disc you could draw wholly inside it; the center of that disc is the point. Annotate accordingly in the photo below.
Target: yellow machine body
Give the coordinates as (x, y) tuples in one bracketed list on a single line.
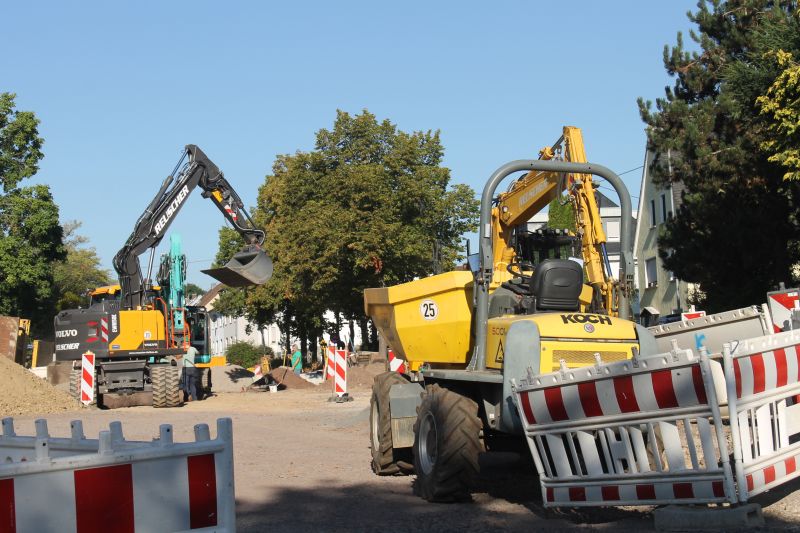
[(573, 337), (427, 320), (137, 330)]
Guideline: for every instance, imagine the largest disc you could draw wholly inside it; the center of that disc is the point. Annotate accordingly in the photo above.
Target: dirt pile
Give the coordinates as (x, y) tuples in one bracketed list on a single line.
[(25, 394), (286, 378), (362, 376)]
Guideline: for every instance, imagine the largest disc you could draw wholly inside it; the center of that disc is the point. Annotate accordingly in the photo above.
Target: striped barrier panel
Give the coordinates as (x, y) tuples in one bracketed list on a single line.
[(340, 372), (112, 484), (763, 380), (642, 431), (780, 305), (330, 363), (87, 378), (396, 364)]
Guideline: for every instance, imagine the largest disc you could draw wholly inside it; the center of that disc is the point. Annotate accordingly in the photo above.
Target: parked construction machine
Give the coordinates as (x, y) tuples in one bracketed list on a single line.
[(135, 330), (466, 335)]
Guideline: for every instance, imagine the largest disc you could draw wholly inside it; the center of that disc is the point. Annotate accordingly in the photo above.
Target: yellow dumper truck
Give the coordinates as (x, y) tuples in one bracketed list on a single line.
[(525, 307)]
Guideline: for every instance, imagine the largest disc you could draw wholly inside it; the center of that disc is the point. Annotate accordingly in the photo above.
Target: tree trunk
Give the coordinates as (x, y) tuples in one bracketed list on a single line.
[(352, 340), (362, 325)]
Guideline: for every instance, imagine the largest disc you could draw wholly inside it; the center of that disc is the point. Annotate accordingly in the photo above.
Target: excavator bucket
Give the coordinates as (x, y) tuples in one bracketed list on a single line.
[(251, 266)]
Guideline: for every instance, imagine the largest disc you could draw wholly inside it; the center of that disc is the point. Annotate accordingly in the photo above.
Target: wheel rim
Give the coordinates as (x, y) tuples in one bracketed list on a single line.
[(428, 443), (375, 423)]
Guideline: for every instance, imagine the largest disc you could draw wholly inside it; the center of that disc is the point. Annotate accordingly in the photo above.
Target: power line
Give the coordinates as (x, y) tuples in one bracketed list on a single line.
[(631, 170)]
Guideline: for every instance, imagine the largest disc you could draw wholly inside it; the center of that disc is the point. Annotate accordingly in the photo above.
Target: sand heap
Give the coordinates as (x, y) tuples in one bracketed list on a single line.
[(362, 376), (25, 394), (286, 378)]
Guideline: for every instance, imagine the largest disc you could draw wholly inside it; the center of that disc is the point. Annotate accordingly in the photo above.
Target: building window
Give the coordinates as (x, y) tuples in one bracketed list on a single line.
[(663, 208), (651, 272), (652, 213), (612, 230)]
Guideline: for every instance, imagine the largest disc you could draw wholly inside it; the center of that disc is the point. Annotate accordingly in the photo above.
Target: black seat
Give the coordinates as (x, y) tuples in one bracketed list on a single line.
[(556, 285)]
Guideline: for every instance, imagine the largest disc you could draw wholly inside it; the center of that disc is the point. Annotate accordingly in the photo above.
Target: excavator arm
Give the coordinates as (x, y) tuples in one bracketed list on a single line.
[(531, 193), (249, 267)]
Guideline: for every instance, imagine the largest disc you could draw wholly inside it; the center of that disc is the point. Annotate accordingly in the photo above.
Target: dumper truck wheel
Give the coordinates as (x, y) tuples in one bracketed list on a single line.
[(446, 446), (384, 456), (75, 385)]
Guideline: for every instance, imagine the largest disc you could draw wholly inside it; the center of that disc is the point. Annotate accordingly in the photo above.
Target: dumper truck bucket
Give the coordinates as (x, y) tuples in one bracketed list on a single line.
[(251, 266)]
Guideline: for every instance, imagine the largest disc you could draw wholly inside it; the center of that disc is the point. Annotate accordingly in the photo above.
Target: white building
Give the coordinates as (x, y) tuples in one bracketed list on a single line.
[(226, 330)]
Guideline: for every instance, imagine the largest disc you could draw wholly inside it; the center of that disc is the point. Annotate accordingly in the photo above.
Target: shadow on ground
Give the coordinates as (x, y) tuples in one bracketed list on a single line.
[(507, 498)]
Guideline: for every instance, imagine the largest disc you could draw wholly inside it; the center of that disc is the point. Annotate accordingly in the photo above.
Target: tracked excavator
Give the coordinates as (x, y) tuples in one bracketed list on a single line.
[(135, 330), (526, 308)]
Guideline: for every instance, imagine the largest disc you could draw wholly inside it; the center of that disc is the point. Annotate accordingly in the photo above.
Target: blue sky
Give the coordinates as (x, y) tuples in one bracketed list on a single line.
[(120, 88)]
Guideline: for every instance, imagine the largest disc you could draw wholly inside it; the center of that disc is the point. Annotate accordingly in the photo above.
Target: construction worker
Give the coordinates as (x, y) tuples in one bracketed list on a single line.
[(190, 374), (297, 359)]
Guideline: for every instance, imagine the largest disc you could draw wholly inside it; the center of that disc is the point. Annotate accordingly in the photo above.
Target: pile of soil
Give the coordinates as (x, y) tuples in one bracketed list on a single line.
[(25, 394), (362, 376), (286, 378)]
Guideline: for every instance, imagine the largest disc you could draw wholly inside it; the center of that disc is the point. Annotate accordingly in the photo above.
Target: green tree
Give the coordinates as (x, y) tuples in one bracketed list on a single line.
[(736, 231), (20, 144), (79, 272), (370, 206), (192, 291), (561, 216), (30, 234), (244, 354), (30, 246), (782, 105)]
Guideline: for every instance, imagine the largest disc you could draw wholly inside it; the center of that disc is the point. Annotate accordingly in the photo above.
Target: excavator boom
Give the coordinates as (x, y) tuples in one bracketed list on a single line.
[(251, 266)]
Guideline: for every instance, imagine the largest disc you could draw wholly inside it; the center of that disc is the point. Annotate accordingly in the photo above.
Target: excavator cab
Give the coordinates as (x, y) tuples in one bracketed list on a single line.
[(251, 266)]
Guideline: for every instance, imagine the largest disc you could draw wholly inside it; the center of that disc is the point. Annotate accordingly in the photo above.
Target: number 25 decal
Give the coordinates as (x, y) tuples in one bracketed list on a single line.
[(429, 310)]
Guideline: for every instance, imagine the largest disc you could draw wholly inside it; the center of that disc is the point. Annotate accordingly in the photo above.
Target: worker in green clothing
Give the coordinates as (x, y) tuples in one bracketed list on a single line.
[(297, 359)]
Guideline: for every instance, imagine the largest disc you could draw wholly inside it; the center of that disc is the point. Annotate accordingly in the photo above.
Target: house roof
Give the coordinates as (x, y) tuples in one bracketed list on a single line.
[(210, 295)]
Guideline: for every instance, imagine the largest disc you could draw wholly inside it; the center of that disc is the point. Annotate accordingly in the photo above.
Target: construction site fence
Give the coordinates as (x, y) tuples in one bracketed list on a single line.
[(113, 484), (680, 427)]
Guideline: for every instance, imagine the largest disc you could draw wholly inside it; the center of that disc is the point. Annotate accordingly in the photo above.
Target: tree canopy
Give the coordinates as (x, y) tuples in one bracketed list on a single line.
[(370, 206), (30, 234), (79, 271), (727, 129)]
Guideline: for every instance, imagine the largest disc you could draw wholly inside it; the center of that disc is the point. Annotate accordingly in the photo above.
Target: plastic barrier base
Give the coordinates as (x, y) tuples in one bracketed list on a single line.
[(686, 518)]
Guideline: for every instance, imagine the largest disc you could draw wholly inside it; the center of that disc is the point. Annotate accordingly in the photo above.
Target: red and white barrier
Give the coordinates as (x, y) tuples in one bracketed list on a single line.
[(330, 363), (780, 305), (110, 483), (87, 378), (340, 371), (647, 430), (763, 382), (396, 364)]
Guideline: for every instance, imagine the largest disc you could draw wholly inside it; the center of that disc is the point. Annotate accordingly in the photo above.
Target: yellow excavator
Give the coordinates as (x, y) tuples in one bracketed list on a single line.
[(130, 328), (526, 308)]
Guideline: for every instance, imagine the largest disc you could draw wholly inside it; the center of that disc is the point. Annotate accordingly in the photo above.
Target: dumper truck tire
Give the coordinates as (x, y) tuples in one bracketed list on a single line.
[(447, 444), (384, 456), (75, 385)]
